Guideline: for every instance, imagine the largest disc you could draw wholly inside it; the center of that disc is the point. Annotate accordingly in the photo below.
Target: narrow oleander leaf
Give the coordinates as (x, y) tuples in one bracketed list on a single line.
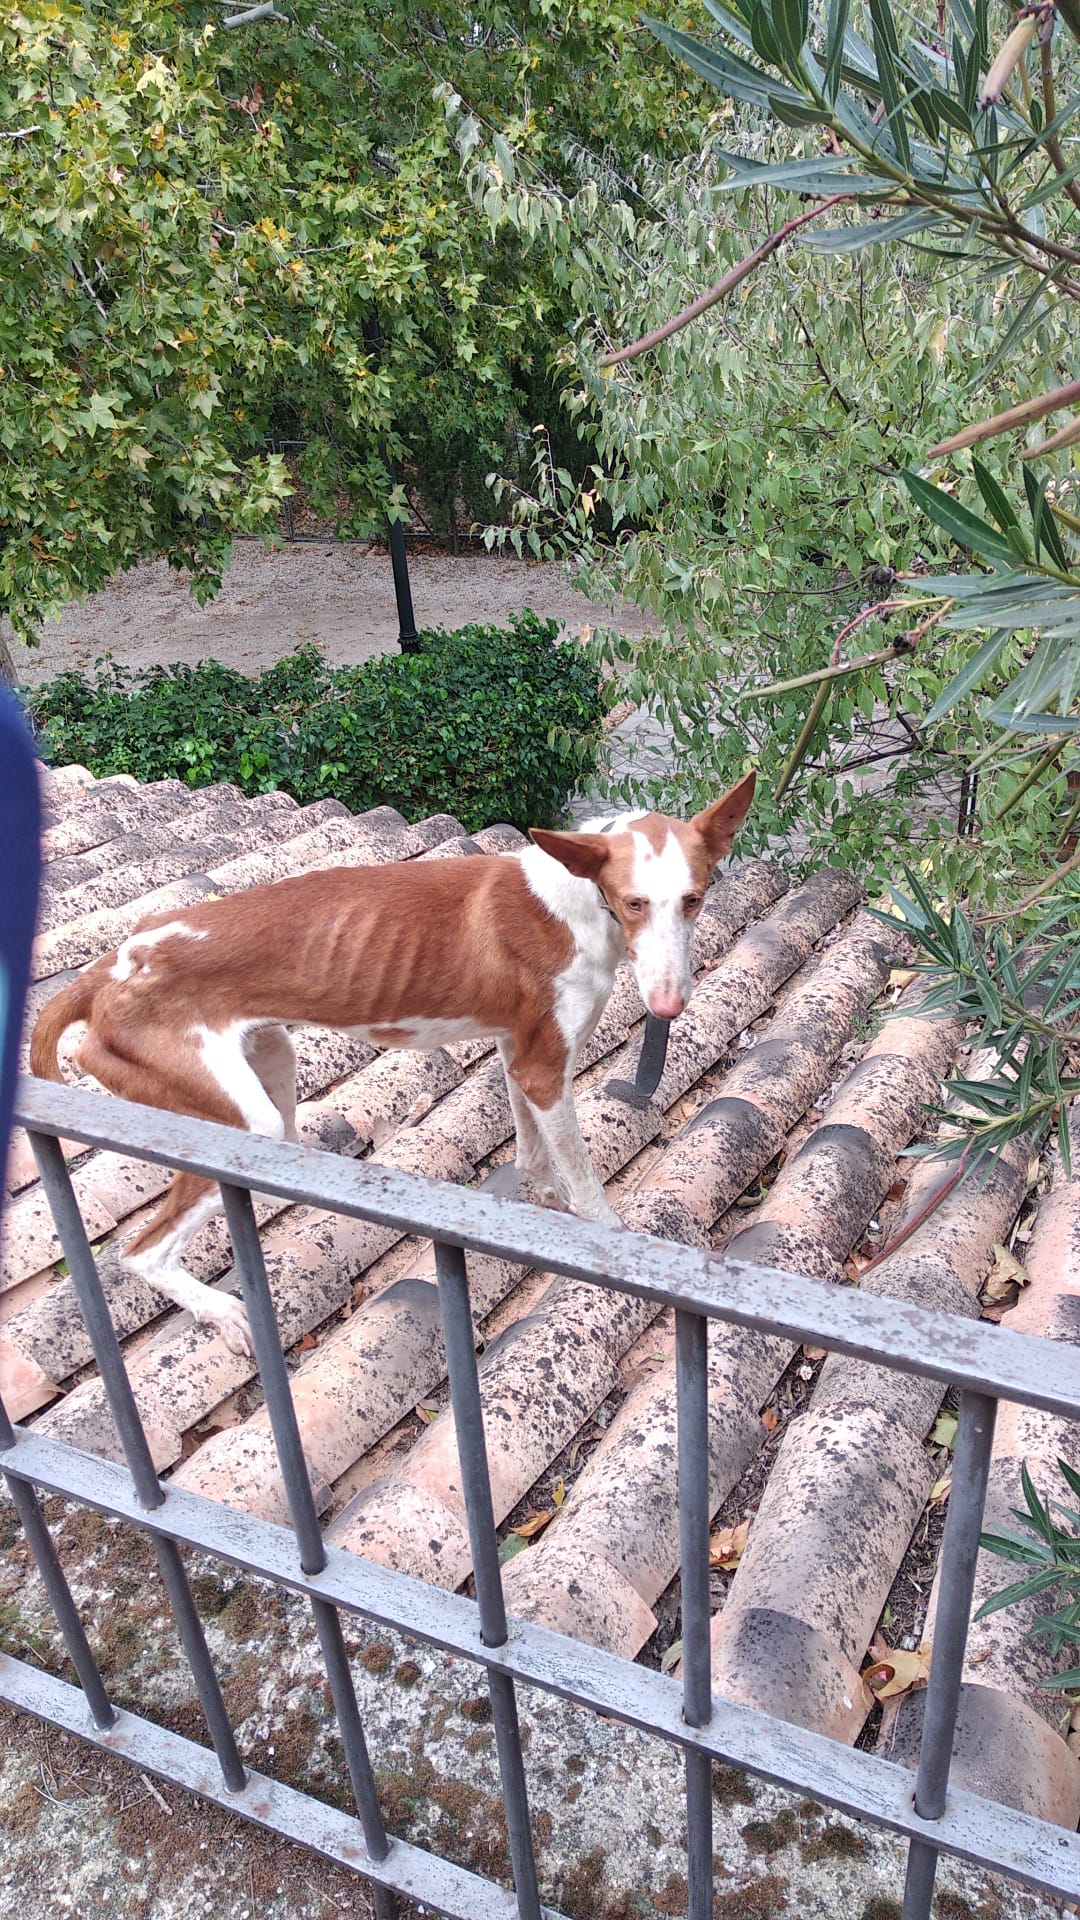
[(1042, 520), (971, 674), (834, 46), (766, 32), (728, 72), (1020, 1590), (1062, 1682), (995, 499), (790, 23), (795, 113), (818, 175), (887, 52), (869, 233), (731, 23), (957, 521)]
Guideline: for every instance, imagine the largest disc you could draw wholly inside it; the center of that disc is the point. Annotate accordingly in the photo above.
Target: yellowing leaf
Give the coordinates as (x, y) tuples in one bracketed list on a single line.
[(559, 1494), (534, 1523), (893, 1670), (726, 1547)]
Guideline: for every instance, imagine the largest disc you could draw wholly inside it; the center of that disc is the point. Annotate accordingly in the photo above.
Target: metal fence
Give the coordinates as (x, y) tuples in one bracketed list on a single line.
[(985, 1363)]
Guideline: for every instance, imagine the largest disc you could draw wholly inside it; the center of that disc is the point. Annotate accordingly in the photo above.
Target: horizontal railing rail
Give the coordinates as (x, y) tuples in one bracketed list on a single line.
[(984, 1363), (913, 1339)]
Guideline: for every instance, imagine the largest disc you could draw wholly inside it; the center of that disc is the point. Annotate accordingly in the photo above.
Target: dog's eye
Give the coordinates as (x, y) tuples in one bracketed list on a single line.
[(691, 901), (635, 906)]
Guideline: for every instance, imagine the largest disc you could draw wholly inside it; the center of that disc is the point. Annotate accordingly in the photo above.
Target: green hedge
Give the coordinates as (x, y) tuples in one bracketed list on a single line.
[(486, 723)]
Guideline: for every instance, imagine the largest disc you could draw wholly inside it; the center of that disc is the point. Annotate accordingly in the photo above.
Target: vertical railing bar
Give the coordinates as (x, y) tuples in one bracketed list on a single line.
[(274, 1376), (692, 1388), (956, 1585), (472, 1445), (922, 1865), (480, 1514), (56, 1181), (175, 1581), (40, 1541), (64, 1207)]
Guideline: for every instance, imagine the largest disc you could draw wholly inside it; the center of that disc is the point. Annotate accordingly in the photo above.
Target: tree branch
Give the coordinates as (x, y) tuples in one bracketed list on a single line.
[(722, 288)]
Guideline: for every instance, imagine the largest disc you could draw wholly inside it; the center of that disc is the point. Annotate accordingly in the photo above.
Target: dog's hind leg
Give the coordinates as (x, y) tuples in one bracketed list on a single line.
[(531, 1158), (156, 1251), (156, 1254)]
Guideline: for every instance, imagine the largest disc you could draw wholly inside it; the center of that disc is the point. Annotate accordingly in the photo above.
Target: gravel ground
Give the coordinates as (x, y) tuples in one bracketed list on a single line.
[(341, 596)]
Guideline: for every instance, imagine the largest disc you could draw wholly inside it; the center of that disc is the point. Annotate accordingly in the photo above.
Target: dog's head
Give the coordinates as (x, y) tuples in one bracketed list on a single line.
[(652, 873)]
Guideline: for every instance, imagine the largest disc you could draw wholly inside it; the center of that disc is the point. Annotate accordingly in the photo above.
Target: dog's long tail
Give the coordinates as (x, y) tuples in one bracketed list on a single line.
[(72, 1003)]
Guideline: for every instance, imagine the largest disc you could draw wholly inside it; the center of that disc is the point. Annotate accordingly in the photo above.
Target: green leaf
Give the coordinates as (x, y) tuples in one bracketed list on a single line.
[(726, 71), (1020, 1590), (1062, 1682), (817, 175), (887, 51), (962, 526), (996, 500), (1042, 520), (512, 1545), (834, 46), (790, 23), (971, 674), (766, 32), (869, 234)]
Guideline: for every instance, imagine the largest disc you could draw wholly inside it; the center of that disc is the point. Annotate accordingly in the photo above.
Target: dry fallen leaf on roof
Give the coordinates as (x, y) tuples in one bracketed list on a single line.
[(534, 1523), (770, 1419), (1005, 1277), (726, 1546), (893, 1670)]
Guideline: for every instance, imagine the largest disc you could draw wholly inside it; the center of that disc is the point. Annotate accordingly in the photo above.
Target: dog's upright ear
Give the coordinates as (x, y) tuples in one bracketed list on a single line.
[(719, 823), (582, 854)]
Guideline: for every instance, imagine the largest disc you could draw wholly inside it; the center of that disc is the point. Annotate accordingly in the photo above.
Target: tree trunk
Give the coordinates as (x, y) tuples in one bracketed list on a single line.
[(8, 675)]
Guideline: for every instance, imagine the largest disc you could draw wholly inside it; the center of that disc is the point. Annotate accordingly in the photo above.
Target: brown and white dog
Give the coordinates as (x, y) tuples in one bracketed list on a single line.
[(190, 1012)]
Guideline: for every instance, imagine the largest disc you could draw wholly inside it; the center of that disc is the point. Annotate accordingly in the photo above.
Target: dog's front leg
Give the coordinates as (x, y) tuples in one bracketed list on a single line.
[(558, 1127)]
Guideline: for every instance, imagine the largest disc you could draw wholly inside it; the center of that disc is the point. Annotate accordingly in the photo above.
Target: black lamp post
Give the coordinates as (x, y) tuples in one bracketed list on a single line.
[(399, 559)]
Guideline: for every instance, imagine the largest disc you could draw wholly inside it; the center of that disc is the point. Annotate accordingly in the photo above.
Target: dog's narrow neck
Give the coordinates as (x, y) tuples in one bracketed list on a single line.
[(578, 904)]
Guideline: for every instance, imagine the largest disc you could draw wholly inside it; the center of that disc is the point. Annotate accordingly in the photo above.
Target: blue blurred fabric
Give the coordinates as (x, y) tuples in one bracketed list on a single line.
[(20, 872)]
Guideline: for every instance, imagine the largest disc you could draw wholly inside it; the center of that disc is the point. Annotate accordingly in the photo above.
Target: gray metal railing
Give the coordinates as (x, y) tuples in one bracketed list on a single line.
[(985, 1363)]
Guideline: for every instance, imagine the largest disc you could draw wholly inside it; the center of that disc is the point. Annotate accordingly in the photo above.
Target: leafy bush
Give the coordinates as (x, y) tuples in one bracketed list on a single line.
[(486, 723), (1052, 1551)]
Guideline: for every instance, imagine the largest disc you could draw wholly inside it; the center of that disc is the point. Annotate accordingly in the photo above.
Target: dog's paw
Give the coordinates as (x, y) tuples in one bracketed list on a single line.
[(230, 1320), (600, 1212)]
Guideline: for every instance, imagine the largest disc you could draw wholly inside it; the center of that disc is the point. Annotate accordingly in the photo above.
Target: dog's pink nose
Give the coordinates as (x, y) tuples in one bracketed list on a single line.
[(666, 1006)]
